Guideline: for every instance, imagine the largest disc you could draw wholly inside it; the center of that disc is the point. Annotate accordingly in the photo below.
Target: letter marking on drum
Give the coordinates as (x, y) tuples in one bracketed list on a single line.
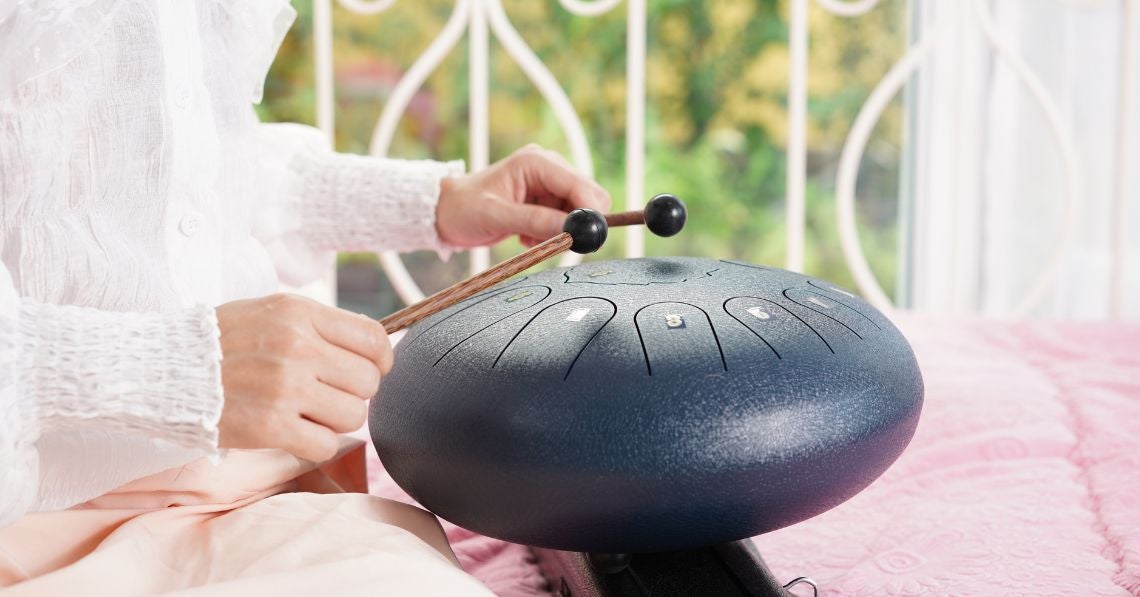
[(519, 296), (760, 313), (812, 299), (577, 314)]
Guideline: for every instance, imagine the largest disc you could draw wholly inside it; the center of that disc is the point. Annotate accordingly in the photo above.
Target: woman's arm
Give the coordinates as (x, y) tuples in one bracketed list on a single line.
[(64, 369), (316, 202), (294, 374)]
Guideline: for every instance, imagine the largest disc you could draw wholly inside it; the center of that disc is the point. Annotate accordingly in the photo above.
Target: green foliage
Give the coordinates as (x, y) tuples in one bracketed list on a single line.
[(717, 121)]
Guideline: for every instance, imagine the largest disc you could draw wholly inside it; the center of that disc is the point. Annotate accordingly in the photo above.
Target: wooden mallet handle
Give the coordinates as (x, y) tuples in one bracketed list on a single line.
[(584, 231), (626, 218), (664, 215), (475, 284)]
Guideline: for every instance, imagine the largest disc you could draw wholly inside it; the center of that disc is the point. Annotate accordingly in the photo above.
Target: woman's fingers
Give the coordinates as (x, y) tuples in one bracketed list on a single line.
[(339, 411), (348, 372), (295, 372), (528, 220), (355, 333), (604, 201), (311, 441), (550, 176), (475, 210)]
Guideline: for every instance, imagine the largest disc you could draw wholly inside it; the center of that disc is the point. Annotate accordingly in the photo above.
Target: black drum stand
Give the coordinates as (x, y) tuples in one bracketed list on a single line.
[(725, 570)]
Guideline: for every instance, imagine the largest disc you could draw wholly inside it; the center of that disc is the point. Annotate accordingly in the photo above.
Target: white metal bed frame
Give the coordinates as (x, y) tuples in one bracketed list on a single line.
[(481, 19)]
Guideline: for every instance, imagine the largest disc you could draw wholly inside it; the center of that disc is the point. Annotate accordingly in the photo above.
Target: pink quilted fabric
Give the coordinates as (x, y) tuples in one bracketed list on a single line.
[(1023, 478)]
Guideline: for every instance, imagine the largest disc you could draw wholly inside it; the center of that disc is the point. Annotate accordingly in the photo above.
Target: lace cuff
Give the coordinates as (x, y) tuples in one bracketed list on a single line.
[(358, 203), (320, 202), (155, 374)]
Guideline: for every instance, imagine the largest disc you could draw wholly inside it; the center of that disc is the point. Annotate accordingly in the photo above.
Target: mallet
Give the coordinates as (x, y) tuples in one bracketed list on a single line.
[(584, 231)]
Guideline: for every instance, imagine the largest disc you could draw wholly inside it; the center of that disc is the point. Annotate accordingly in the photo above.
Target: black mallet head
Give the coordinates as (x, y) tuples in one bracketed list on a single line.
[(588, 228), (665, 215)]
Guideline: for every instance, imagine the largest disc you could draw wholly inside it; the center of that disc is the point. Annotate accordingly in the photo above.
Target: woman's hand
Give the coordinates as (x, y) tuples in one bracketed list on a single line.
[(528, 194), (296, 372)]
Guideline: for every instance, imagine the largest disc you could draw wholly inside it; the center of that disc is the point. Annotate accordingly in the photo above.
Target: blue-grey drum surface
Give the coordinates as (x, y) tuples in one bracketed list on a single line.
[(646, 405)]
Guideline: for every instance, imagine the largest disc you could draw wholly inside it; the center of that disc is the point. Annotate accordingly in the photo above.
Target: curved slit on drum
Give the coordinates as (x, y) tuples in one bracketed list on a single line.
[(712, 328), (857, 334), (490, 294), (789, 312), (482, 329), (754, 332)]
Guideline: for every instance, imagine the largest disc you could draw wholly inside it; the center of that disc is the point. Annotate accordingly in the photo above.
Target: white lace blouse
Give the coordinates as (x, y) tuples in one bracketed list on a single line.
[(137, 192)]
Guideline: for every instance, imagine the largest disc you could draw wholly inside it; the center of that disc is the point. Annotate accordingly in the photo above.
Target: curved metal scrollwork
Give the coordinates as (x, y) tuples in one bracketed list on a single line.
[(848, 8), (481, 19), (860, 133), (478, 19), (589, 8), (367, 7)]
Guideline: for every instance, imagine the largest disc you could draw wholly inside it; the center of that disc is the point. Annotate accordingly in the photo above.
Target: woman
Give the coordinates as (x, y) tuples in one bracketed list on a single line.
[(146, 218)]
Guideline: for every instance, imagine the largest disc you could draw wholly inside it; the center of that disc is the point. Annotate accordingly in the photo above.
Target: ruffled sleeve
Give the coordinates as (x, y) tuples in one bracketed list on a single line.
[(257, 29), (70, 370), (39, 36), (317, 202)]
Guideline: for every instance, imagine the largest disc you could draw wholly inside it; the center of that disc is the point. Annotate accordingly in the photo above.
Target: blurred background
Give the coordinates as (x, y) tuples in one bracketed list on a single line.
[(964, 187)]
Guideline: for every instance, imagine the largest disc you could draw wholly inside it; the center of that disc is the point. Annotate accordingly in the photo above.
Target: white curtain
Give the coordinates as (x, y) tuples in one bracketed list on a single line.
[(988, 178)]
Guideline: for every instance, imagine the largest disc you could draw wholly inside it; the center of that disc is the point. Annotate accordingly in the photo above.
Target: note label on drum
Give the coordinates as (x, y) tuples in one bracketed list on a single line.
[(674, 321), (812, 299), (577, 314), (760, 313), (519, 296)]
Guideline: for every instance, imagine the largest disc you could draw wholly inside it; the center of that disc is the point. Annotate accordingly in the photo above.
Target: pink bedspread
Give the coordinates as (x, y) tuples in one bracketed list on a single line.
[(1023, 477)]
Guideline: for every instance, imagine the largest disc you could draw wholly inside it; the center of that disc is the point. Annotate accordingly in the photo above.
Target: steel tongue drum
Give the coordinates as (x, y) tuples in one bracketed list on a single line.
[(646, 405)]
